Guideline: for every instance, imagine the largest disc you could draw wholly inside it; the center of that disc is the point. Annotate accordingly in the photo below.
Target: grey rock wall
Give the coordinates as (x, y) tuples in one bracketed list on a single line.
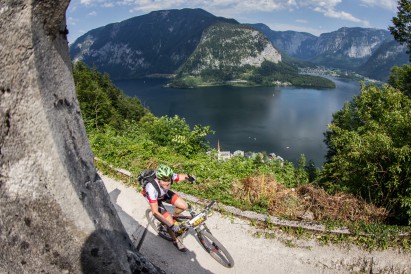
[(55, 213)]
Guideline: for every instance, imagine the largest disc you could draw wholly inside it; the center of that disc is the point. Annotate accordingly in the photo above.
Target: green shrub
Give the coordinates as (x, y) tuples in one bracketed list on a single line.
[(369, 149)]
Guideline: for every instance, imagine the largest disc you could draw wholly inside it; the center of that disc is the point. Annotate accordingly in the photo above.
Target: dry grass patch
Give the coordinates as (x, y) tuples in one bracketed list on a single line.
[(306, 202)]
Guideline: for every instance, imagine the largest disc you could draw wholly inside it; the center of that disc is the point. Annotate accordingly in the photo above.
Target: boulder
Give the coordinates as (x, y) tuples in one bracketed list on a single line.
[(55, 213)]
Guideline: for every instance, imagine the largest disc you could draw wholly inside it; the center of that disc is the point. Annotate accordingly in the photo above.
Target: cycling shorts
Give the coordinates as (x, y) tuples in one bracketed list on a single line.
[(170, 197)]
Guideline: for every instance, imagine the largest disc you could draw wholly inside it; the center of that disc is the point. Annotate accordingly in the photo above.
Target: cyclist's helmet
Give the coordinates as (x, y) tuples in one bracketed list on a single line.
[(164, 173)]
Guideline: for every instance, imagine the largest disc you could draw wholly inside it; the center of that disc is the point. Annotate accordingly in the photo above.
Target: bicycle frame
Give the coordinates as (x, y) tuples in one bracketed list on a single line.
[(196, 221), (204, 235)]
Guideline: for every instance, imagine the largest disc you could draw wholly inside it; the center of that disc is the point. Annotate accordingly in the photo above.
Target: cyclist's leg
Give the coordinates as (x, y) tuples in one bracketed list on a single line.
[(166, 214), (180, 205), (175, 200), (177, 241), (178, 202)]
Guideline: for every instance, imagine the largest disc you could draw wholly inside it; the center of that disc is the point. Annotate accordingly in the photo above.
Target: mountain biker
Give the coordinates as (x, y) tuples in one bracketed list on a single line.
[(157, 194)]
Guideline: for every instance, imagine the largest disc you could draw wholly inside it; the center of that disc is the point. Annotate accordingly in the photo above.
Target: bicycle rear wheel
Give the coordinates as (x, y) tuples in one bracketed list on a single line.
[(157, 226), (215, 249)]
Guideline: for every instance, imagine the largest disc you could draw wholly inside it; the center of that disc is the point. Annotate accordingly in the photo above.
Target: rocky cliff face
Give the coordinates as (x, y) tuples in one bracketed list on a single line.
[(224, 46), (289, 42), (347, 47), (349, 44), (155, 43), (379, 65), (56, 216), (370, 52)]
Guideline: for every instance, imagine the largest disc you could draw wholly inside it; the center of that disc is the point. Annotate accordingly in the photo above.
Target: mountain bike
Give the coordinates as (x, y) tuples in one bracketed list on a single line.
[(196, 222)]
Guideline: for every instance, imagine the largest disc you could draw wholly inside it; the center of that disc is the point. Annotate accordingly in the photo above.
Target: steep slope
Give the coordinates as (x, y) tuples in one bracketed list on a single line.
[(379, 65), (158, 42), (233, 54), (227, 46), (348, 48), (345, 48), (289, 42)]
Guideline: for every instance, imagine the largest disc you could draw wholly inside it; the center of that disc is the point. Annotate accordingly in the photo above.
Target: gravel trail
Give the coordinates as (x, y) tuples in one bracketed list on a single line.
[(251, 254)]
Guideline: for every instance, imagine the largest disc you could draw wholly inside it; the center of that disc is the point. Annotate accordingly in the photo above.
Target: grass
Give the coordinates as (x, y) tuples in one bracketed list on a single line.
[(367, 236), (266, 195)]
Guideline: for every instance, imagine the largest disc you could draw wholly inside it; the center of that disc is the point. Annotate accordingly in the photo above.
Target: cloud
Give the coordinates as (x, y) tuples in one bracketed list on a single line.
[(329, 9), (385, 4), (284, 27), (108, 5), (226, 5), (71, 21), (86, 2), (93, 13), (244, 6), (103, 3), (233, 8), (345, 16)]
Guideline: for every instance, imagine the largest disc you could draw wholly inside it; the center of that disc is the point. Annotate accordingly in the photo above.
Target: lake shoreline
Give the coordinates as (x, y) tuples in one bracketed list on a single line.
[(286, 120)]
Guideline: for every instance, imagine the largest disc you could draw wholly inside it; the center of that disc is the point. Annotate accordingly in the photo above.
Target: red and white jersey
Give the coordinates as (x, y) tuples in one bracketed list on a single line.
[(151, 192)]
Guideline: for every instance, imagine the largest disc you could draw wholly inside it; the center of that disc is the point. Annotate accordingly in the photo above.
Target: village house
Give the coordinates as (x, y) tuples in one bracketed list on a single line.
[(225, 155)]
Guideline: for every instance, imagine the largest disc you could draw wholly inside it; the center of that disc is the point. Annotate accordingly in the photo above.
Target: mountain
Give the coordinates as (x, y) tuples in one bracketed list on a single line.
[(162, 41), (228, 46), (159, 42), (289, 42), (379, 65), (347, 48), (235, 54)]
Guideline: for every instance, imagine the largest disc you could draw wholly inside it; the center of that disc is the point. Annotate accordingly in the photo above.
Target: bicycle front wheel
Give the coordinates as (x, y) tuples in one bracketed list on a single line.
[(157, 226), (215, 249)]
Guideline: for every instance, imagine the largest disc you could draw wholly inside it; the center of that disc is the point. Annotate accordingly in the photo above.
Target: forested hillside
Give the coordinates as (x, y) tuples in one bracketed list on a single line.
[(101, 102), (234, 54), (155, 43)]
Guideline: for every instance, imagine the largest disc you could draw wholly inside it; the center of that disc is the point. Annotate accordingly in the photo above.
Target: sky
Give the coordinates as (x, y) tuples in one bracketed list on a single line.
[(312, 16)]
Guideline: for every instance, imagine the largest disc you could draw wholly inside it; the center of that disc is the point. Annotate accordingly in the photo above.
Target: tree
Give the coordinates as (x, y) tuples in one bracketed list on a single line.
[(369, 149), (176, 133), (300, 172), (101, 102), (312, 171), (400, 78), (402, 24)]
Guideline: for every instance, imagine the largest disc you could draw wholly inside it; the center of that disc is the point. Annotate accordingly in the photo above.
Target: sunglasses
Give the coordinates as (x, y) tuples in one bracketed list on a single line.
[(166, 178)]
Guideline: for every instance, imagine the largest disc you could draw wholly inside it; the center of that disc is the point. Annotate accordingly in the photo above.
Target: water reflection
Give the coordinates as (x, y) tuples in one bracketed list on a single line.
[(288, 121)]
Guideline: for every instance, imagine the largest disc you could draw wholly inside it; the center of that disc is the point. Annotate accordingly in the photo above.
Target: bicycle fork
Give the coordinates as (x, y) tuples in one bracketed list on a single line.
[(199, 230)]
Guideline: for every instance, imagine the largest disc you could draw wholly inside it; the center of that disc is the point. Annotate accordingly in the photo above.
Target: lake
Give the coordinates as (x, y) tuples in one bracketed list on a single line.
[(287, 121)]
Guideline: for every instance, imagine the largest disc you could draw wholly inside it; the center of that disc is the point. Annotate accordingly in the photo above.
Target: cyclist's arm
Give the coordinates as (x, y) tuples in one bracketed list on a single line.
[(179, 177), (158, 215), (152, 195)]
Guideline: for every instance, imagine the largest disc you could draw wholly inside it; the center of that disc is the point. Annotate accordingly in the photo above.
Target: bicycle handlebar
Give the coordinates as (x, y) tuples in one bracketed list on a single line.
[(202, 216), (207, 208)]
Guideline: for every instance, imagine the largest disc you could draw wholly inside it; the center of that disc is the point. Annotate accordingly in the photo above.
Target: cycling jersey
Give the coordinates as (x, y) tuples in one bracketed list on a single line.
[(153, 195)]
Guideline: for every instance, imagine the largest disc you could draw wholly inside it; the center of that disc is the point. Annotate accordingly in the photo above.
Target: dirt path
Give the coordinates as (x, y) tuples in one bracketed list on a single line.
[(251, 254)]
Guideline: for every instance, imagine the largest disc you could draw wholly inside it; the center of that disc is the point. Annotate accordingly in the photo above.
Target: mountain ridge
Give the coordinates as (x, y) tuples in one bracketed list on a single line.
[(239, 55), (357, 47), (145, 44), (162, 41), (229, 36)]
